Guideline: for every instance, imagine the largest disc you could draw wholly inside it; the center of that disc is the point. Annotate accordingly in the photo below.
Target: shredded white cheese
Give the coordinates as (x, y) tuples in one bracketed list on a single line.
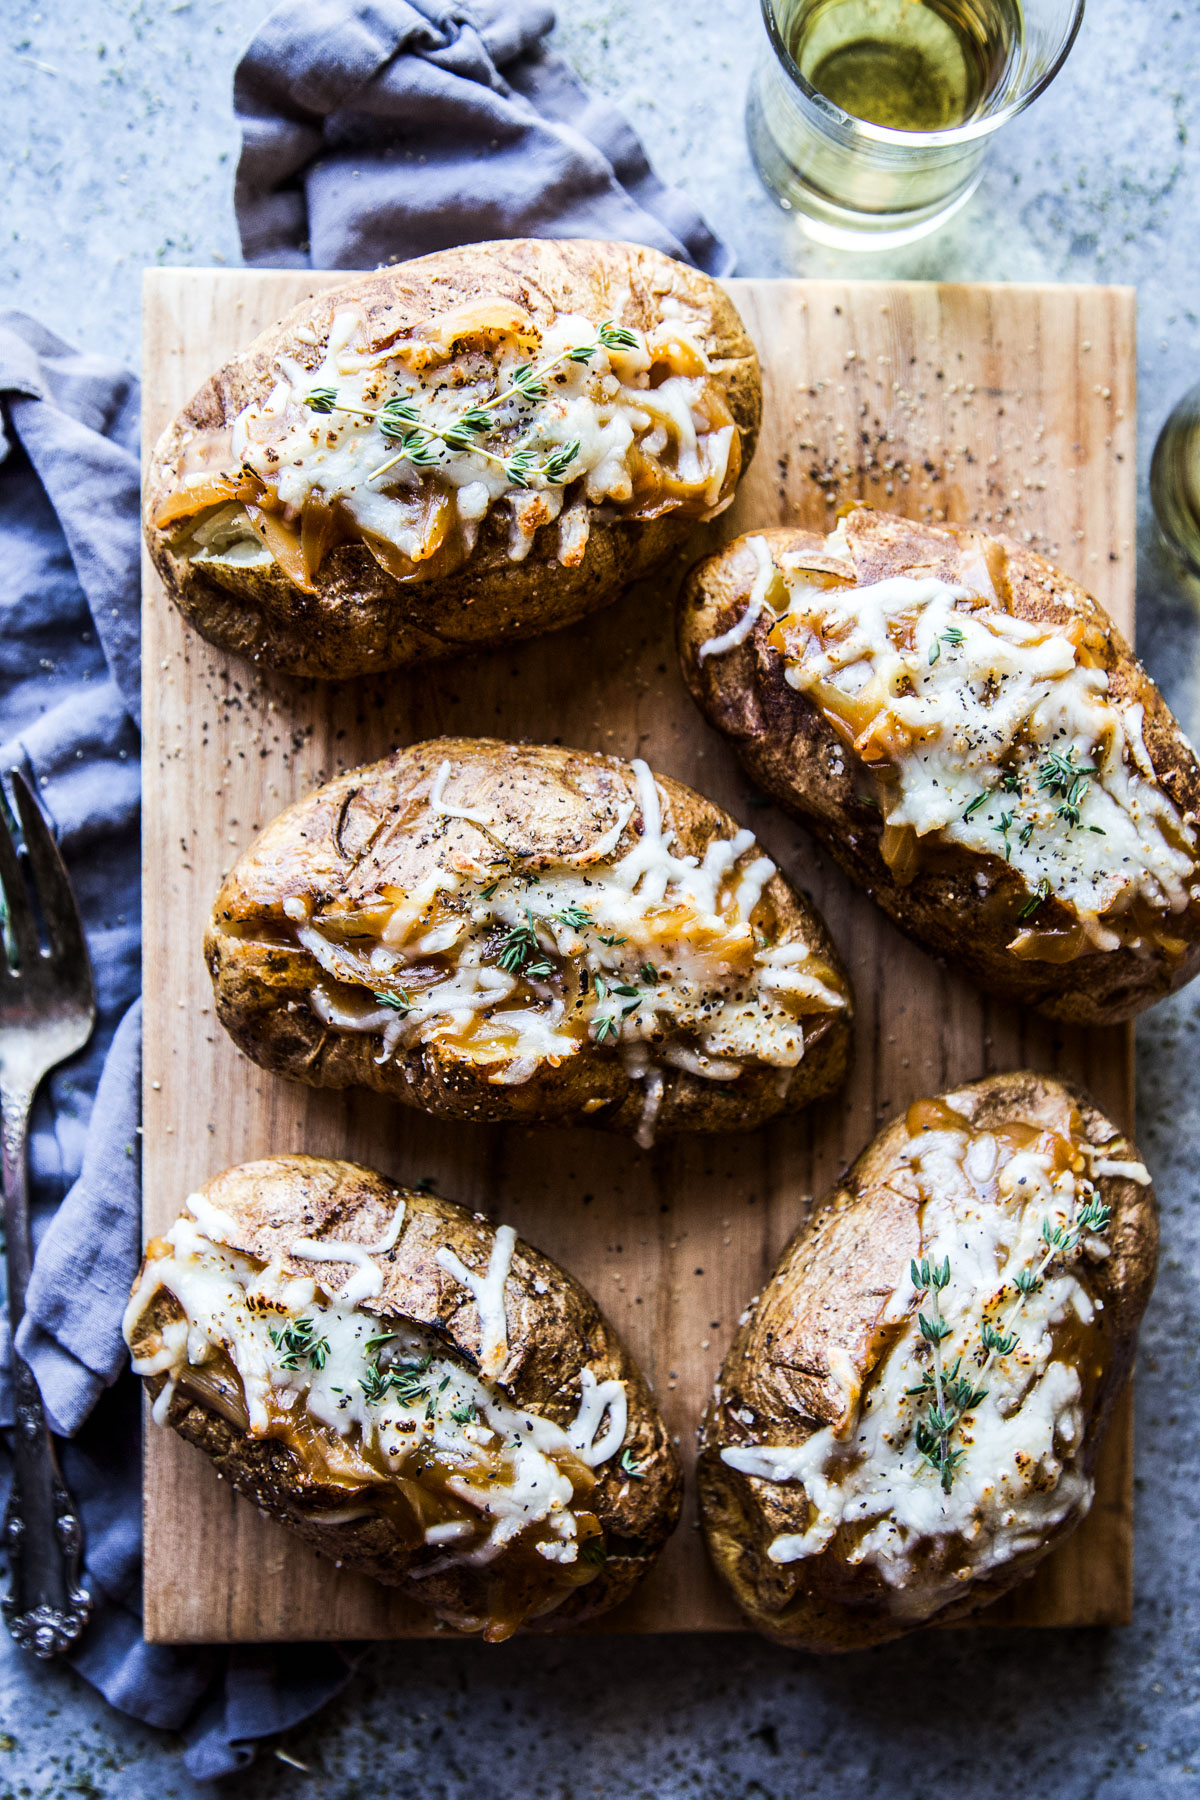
[(737, 634), (367, 1280), (487, 1290), (599, 1400)]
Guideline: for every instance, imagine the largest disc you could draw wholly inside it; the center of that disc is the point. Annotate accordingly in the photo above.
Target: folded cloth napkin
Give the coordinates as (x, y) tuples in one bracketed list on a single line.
[(379, 129), (374, 129)]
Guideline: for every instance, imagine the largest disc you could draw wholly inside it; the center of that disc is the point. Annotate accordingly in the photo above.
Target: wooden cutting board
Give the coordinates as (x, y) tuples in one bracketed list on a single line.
[(1006, 407)]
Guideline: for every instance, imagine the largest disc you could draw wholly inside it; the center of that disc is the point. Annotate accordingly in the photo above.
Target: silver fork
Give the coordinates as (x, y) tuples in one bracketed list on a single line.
[(47, 1010)]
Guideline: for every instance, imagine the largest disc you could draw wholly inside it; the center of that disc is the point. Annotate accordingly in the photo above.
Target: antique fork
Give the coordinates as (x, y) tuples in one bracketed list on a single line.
[(47, 1010)]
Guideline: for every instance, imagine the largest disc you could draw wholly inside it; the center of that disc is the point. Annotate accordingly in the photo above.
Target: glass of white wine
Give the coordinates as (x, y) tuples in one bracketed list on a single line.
[(869, 118)]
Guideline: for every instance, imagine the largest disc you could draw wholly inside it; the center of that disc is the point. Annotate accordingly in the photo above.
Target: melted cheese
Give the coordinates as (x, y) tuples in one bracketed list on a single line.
[(654, 954), (511, 1469), (648, 423), (367, 1280), (764, 580), (487, 1290), (601, 1400), (960, 703), (983, 1207)]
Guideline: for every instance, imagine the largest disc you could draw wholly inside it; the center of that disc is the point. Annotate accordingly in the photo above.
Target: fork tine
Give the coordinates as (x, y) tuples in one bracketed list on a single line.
[(16, 893), (55, 894)]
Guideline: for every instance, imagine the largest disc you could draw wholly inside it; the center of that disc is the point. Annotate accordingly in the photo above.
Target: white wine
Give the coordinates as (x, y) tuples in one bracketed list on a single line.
[(869, 119), (911, 65), (1175, 480)]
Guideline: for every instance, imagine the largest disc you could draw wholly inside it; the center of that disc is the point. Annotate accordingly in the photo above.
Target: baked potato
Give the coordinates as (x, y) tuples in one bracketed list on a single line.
[(969, 734), (505, 932), (477, 446), (908, 1418), (410, 1389)]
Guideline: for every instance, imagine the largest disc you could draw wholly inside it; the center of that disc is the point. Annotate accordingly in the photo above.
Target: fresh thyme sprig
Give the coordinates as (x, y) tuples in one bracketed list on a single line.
[(608, 1024), (521, 952), (952, 1394), (406, 1380), (298, 1344), (1068, 781), (399, 421), (1040, 893), (953, 638), (576, 917), (934, 1430), (1058, 771), (1058, 774), (400, 1001)]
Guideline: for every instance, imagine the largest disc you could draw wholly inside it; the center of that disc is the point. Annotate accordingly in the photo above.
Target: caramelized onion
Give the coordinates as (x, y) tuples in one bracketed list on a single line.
[(317, 526), (680, 356), (218, 1389), (1011, 1135), (934, 1115), (441, 549), (901, 851), (283, 541), (197, 497), (480, 319), (1052, 946)]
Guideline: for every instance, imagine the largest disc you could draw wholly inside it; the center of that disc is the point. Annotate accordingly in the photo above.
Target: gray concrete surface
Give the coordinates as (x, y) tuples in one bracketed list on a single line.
[(117, 146)]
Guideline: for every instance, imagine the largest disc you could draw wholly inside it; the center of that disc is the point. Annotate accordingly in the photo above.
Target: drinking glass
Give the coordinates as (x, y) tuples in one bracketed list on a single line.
[(862, 185), (1175, 480)]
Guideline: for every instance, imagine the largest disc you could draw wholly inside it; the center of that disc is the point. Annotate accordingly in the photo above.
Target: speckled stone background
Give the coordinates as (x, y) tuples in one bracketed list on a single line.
[(117, 146)]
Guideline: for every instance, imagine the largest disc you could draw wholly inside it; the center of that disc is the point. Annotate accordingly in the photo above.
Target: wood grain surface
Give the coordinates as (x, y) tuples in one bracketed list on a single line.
[(1007, 407)]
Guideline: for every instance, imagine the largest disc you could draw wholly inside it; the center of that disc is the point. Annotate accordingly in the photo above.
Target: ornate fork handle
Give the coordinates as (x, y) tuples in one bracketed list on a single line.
[(46, 1609)]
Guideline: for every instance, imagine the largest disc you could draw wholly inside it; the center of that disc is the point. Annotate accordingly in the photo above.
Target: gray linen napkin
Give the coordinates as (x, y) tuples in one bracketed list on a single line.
[(69, 671), (373, 130), (389, 128)]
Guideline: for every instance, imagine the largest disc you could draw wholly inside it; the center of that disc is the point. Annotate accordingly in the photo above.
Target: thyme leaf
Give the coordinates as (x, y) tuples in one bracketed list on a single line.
[(1041, 893), (576, 917), (298, 1344), (400, 1001)]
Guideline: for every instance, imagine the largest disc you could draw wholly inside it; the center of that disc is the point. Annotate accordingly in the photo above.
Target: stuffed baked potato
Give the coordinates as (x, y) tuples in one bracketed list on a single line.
[(477, 446), (968, 733), (500, 932), (410, 1389), (908, 1418)]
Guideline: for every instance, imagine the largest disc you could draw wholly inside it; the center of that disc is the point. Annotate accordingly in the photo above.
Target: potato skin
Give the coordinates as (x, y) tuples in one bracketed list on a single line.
[(792, 751), (554, 1329), (825, 1296), (557, 801), (360, 619)]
